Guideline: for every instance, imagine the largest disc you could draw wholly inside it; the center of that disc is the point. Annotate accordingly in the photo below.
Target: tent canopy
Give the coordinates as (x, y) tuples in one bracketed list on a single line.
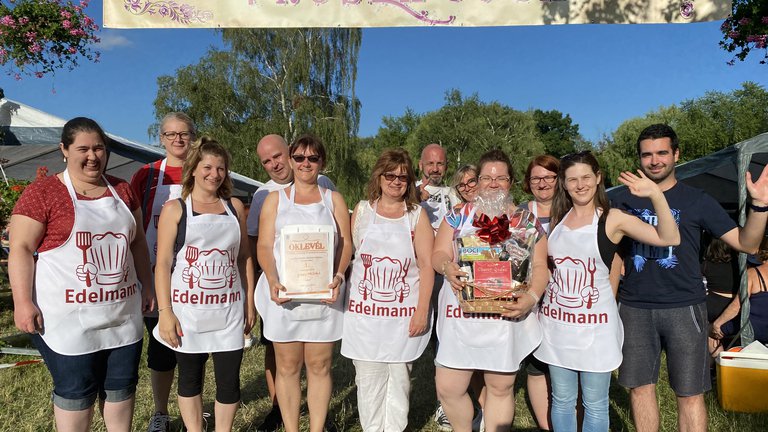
[(31, 140)]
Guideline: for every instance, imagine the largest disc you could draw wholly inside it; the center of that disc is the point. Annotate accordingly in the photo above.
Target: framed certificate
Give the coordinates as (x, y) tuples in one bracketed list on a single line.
[(306, 261)]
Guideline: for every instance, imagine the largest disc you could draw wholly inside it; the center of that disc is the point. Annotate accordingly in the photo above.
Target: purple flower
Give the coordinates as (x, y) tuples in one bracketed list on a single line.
[(39, 74), (35, 48), (164, 11), (7, 21), (764, 20), (17, 77), (72, 50), (66, 24), (23, 20), (733, 34), (745, 21), (66, 14)]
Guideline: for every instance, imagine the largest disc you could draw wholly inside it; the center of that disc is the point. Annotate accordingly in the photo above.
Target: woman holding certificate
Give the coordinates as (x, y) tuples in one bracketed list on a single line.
[(304, 248), (204, 283), (492, 343), (389, 291)]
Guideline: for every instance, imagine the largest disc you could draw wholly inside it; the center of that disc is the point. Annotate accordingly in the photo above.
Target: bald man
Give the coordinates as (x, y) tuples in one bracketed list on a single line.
[(273, 154), (435, 197)]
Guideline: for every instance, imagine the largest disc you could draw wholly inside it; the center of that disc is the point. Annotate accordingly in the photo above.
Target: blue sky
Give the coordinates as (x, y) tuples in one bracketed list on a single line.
[(599, 74)]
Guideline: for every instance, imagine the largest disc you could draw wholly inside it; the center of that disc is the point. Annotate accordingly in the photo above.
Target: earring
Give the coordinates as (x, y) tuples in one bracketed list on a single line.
[(65, 159)]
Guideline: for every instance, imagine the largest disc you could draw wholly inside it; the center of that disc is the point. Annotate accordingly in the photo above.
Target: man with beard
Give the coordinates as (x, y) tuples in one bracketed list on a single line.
[(662, 302), (273, 154), (435, 197)]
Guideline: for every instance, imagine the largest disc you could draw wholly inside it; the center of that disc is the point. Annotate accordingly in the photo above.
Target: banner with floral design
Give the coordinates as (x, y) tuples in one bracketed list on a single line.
[(401, 13)]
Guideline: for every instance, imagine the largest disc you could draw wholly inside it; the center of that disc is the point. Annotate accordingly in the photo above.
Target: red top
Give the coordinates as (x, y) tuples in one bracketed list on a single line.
[(47, 201), (139, 184)]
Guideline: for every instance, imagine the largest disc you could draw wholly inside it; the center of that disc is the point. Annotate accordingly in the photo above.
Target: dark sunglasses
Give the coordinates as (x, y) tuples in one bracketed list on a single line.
[(301, 158), (391, 177)]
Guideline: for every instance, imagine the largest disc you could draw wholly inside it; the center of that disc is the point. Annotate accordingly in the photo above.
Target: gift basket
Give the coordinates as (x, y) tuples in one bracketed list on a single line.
[(495, 250)]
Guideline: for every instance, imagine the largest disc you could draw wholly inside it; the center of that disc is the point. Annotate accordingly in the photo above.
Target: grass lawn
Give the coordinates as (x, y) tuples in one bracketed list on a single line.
[(26, 406)]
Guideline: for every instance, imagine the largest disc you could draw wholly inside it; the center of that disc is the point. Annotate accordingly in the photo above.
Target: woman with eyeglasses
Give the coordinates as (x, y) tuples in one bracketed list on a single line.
[(583, 334), (154, 184), (541, 181), (464, 183), (303, 333), (386, 320), (493, 344)]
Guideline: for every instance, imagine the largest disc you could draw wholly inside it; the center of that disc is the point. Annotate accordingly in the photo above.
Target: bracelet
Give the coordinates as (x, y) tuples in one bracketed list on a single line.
[(162, 309), (535, 297), (758, 208)]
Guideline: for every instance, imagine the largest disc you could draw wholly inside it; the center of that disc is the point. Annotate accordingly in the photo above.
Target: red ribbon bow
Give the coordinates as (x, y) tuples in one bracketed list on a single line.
[(494, 230)]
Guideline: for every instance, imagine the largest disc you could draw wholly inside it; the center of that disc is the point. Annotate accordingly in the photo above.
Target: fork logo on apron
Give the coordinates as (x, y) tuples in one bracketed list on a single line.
[(105, 263), (384, 282), (209, 269), (573, 283)]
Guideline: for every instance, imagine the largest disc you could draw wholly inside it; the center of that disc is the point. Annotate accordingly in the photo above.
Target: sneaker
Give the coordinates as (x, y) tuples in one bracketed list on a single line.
[(159, 422), (272, 421), (443, 425), (478, 423)]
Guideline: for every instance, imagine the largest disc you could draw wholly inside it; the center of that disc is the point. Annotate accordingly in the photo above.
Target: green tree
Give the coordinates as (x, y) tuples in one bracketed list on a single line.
[(746, 29), (558, 132), (285, 81)]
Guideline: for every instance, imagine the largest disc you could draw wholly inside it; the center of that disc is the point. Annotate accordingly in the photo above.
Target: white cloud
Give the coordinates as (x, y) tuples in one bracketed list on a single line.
[(111, 41)]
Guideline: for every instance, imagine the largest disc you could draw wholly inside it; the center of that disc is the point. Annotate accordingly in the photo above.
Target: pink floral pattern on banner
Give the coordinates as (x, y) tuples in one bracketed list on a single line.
[(174, 11)]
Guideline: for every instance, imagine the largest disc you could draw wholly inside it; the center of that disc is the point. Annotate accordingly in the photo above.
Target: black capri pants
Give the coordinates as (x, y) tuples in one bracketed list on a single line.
[(226, 370)]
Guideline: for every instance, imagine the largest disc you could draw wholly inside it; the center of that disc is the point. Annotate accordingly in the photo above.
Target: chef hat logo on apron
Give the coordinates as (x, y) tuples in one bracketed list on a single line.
[(384, 279), (573, 283), (209, 269), (105, 258)]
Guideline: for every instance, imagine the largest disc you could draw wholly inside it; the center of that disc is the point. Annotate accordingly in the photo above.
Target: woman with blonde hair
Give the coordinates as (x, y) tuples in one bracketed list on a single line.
[(392, 271), (204, 282), (303, 333)]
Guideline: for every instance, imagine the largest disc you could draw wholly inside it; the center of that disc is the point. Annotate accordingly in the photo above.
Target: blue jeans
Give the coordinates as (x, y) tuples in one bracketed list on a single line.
[(594, 397)]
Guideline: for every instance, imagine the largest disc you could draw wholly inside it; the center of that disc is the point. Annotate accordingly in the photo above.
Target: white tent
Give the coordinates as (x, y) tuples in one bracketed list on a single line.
[(31, 140)]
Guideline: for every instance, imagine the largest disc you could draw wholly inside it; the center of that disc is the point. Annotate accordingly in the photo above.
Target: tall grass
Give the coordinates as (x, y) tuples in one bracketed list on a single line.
[(25, 397)]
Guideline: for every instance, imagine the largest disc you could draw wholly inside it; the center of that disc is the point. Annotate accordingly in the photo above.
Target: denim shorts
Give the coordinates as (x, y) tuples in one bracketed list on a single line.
[(681, 332), (110, 374)]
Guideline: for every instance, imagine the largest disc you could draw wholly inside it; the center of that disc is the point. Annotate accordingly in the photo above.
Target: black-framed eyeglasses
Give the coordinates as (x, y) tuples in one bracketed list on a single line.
[(489, 179), (170, 136), (391, 177), (300, 158), (547, 179), (572, 156), (469, 184)]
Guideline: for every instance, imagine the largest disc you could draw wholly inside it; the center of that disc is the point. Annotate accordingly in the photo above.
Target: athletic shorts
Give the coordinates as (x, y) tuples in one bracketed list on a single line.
[(110, 374), (681, 333)]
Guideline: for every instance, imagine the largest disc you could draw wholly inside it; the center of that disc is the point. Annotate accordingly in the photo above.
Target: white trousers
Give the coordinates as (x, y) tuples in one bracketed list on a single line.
[(383, 390)]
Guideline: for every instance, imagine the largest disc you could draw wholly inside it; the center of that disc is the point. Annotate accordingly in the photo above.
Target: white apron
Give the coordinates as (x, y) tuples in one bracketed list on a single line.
[(481, 341), (300, 321), (86, 288), (579, 317), (206, 293), (383, 293), (163, 193)]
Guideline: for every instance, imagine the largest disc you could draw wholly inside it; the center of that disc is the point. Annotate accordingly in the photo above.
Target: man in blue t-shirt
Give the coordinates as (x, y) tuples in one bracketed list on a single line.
[(662, 302)]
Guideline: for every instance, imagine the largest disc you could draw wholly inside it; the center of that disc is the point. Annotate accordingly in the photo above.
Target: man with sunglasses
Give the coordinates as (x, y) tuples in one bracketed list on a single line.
[(273, 155), (435, 196), (662, 302)]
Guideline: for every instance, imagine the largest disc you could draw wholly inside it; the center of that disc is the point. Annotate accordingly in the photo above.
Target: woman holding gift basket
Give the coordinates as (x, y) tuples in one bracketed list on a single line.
[(499, 246), (582, 330), (303, 331), (389, 291), (204, 283), (83, 295)]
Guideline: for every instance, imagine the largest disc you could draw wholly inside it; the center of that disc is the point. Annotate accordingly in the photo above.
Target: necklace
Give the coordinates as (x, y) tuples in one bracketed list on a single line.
[(205, 202), (85, 191)]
